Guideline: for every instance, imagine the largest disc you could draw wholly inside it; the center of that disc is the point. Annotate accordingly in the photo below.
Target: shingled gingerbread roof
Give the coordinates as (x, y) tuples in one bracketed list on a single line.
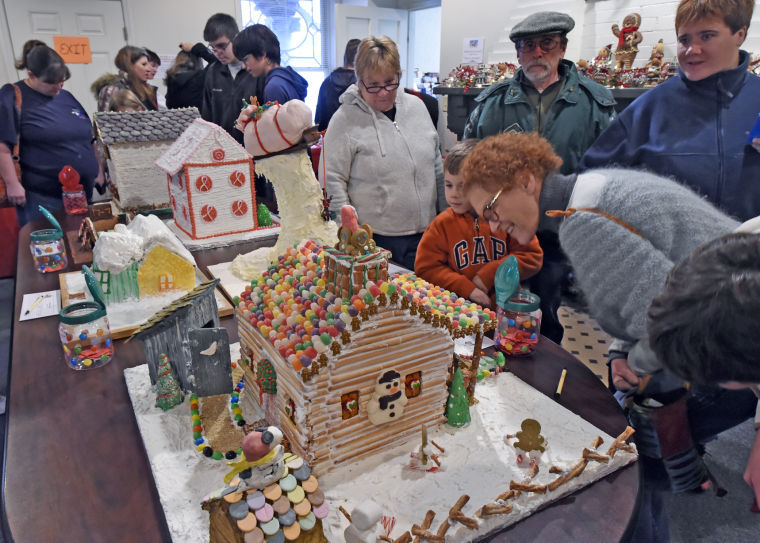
[(142, 126)]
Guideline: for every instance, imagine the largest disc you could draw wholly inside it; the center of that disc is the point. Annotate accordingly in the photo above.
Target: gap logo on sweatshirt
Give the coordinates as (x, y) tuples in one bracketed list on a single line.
[(465, 256)]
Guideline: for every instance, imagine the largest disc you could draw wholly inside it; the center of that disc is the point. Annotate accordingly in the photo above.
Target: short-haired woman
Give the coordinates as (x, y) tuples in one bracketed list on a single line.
[(622, 230), (381, 154), (53, 129)]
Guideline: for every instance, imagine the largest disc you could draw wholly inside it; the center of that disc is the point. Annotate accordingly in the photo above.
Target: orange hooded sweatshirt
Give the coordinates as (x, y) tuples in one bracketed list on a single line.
[(457, 247)]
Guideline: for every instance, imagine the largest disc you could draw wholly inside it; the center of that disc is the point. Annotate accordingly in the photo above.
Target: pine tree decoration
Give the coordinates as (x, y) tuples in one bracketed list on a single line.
[(266, 376), (262, 217), (168, 392), (458, 404)]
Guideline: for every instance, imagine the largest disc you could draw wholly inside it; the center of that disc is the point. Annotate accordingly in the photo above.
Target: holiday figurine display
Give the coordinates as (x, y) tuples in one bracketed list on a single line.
[(168, 391), (353, 239), (388, 400), (628, 38), (458, 404), (262, 462)]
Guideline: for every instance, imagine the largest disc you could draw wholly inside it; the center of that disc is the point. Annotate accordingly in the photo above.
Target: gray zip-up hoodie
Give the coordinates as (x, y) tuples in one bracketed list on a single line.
[(391, 172)]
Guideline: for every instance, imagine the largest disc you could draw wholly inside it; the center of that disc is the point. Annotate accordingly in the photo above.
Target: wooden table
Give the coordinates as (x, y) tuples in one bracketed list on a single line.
[(76, 470)]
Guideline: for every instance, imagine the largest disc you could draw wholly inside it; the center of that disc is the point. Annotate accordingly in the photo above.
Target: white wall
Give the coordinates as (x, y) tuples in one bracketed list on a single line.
[(424, 30)]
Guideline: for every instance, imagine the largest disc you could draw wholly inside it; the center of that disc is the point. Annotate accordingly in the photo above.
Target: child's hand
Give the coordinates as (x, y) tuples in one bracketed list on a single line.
[(480, 298)]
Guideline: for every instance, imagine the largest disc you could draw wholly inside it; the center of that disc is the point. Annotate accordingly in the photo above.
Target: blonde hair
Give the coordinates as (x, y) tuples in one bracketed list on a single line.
[(377, 54), (737, 14), (499, 162)]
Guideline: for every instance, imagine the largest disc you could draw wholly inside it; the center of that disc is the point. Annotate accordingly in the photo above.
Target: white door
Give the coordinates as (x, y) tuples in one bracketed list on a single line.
[(360, 22), (100, 20)]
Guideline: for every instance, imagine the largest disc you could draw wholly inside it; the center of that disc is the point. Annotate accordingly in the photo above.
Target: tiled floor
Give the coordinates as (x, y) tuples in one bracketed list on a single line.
[(585, 339)]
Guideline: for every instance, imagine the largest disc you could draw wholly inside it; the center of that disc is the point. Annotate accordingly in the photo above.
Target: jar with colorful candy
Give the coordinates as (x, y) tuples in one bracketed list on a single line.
[(85, 336), (74, 198), (84, 330), (47, 247), (519, 324)]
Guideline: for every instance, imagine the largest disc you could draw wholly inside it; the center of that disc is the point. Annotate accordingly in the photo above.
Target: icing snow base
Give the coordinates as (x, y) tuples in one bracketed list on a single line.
[(478, 462)]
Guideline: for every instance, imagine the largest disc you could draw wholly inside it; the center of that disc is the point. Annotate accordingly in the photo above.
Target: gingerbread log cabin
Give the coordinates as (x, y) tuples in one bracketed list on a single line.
[(346, 374)]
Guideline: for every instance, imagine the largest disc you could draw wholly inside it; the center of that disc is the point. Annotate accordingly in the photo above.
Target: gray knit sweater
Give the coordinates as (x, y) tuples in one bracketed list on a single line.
[(619, 271)]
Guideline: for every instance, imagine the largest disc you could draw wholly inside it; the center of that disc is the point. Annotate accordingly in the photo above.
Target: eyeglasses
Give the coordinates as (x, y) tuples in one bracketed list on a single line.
[(218, 47), (546, 43), (374, 89), (488, 213)]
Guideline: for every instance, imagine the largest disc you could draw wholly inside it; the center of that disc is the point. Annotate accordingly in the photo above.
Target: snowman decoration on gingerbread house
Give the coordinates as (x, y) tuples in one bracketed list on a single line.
[(388, 399)]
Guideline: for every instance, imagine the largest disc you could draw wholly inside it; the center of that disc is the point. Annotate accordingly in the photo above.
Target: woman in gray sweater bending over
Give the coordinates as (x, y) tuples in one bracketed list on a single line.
[(623, 231)]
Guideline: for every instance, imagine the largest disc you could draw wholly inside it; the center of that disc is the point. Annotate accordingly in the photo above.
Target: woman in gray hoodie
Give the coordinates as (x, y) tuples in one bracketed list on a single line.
[(381, 154)]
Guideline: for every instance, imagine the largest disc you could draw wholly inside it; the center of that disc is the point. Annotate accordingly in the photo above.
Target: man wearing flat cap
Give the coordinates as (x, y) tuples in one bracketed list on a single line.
[(547, 95)]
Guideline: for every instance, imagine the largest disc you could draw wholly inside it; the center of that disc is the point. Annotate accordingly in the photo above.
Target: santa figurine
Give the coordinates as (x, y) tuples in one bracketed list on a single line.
[(388, 400)]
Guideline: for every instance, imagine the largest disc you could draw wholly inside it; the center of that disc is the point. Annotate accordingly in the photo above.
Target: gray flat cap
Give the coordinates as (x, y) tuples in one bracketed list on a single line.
[(543, 22)]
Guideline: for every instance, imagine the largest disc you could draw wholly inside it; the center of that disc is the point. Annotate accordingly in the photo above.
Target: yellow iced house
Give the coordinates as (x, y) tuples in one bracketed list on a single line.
[(162, 271)]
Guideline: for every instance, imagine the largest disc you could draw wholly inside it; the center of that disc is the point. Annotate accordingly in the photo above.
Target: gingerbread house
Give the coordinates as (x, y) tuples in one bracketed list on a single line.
[(132, 141), (345, 360), (141, 259), (210, 182)]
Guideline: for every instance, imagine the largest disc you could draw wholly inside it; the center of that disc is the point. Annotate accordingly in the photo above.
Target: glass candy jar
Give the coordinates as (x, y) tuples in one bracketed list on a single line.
[(519, 324), (85, 335), (75, 202), (47, 247)]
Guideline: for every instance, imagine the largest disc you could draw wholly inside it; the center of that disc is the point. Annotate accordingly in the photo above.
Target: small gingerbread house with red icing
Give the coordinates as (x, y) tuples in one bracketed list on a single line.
[(210, 180)]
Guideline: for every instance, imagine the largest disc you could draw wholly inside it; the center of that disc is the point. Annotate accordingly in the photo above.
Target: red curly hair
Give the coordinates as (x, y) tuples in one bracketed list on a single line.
[(500, 161)]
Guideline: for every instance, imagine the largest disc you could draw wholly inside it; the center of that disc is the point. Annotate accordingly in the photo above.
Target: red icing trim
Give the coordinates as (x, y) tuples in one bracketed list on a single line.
[(280, 129)]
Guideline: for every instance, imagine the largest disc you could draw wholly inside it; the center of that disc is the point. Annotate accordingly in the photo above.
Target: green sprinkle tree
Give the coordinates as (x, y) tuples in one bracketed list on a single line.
[(263, 218), (458, 404), (168, 392)]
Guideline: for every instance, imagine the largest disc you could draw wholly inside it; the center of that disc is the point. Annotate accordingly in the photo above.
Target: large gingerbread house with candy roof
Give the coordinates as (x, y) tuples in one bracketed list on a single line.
[(210, 182), (344, 359)]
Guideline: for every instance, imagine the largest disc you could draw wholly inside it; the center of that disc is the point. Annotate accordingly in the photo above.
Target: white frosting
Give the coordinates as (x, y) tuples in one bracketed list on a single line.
[(299, 197), (478, 461), (116, 250)]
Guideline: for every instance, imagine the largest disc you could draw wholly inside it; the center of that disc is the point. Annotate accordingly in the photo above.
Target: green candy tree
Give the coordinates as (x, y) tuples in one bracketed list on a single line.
[(168, 391), (458, 404)]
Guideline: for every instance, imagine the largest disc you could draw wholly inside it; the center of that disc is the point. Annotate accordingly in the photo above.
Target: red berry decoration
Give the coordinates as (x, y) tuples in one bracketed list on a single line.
[(237, 178), (218, 154), (208, 213), (239, 208), (203, 183)]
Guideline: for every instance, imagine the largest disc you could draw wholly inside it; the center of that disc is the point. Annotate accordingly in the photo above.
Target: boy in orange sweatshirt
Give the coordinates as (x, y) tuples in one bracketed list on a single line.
[(460, 253)]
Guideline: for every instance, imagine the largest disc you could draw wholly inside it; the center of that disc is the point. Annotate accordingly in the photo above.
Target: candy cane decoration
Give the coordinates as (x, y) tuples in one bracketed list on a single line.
[(388, 524)]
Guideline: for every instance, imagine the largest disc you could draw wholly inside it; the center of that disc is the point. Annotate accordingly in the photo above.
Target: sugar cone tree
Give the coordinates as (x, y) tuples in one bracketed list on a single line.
[(458, 404), (168, 391)]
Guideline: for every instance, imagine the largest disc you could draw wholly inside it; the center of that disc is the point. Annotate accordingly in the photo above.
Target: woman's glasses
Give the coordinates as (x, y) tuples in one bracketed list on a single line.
[(488, 213), (374, 89)]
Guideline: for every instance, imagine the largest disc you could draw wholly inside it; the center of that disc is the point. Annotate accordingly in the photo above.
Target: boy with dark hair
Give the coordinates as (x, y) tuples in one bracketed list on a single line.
[(704, 324), (259, 49), (226, 83), (334, 85), (460, 253)]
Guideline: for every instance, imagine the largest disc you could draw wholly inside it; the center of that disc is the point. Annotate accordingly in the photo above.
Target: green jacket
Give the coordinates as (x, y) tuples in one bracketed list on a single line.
[(582, 110)]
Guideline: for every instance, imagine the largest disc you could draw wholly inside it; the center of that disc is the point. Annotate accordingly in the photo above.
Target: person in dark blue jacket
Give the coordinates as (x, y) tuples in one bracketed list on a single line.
[(259, 49), (694, 126), (334, 85)]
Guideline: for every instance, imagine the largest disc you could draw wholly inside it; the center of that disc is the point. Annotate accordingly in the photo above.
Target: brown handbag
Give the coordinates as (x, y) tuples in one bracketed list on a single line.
[(3, 192)]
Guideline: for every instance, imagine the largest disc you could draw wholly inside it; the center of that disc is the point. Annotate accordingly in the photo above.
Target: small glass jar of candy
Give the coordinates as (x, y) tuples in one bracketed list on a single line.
[(519, 324), (85, 336), (75, 202), (48, 250)]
